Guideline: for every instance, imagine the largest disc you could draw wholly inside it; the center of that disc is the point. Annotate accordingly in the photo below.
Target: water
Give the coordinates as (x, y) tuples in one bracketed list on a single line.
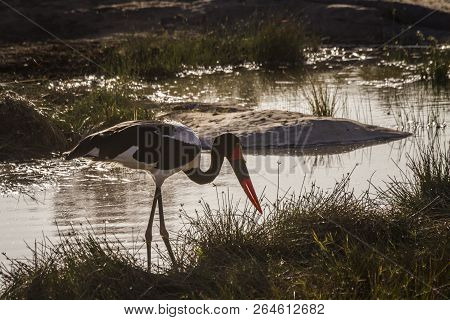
[(47, 197)]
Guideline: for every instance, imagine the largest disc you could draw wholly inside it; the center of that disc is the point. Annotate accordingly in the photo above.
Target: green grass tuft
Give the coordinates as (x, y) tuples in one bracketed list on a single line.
[(278, 43), (26, 132), (437, 68), (105, 106), (270, 43), (319, 245), (432, 63), (323, 101), (427, 190)]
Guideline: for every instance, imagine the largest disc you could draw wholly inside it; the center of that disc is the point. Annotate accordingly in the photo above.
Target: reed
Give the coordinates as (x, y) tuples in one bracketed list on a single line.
[(317, 245), (270, 43)]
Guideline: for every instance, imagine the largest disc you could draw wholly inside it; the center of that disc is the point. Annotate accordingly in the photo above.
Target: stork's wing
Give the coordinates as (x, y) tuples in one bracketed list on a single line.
[(164, 145)]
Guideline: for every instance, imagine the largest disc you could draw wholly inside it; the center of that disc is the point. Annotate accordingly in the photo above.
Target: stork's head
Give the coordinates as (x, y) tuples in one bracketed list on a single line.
[(229, 146)]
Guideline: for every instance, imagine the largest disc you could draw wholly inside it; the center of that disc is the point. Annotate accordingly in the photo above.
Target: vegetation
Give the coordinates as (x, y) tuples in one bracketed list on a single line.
[(417, 111), (318, 245), (322, 99), (382, 71), (436, 65), (276, 43), (105, 106), (24, 131), (431, 63), (427, 190), (270, 43)]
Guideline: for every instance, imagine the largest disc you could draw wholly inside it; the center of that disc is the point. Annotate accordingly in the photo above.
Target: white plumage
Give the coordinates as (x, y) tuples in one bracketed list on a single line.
[(162, 149)]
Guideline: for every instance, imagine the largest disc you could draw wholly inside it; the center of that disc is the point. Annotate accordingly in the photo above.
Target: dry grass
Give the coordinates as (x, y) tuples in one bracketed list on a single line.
[(319, 245), (24, 132), (323, 100), (105, 106), (270, 43), (425, 189)]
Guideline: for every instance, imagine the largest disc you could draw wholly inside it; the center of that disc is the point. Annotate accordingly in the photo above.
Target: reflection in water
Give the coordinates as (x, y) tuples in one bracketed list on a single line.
[(117, 201)]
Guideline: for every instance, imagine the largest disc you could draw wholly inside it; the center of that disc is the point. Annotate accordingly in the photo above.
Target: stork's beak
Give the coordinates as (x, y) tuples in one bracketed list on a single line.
[(240, 169)]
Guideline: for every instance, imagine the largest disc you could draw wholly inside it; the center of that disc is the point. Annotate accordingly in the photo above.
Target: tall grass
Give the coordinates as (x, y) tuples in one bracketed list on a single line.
[(270, 43), (318, 245), (432, 62), (416, 112), (321, 245), (278, 43), (105, 106), (323, 101), (24, 131), (85, 267), (426, 191), (436, 66)]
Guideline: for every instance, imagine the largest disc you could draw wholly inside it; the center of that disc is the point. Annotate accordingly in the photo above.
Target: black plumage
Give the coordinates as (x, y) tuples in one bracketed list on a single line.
[(164, 148), (156, 144)]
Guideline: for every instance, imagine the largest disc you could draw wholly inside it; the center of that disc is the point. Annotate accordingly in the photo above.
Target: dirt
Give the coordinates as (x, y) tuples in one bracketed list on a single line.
[(50, 59), (336, 21), (24, 132), (69, 38), (267, 129), (63, 39)]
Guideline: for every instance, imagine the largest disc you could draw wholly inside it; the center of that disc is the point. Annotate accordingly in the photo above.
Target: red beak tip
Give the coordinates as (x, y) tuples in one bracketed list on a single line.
[(251, 194)]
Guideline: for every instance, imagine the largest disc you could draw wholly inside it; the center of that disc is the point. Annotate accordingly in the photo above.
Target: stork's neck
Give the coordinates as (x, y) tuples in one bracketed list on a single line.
[(199, 176)]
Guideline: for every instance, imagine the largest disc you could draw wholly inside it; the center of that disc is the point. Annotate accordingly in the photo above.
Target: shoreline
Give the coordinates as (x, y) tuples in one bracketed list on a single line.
[(276, 129)]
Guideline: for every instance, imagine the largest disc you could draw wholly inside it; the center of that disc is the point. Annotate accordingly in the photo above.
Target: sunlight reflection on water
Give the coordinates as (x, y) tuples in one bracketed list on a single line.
[(40, 197)]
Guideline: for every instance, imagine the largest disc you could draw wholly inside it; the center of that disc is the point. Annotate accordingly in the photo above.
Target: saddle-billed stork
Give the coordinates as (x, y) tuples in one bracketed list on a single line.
[(162, 149)]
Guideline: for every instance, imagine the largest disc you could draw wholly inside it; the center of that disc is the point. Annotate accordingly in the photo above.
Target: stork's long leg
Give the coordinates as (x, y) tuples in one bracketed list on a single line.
[(163, 231), (148, 232)]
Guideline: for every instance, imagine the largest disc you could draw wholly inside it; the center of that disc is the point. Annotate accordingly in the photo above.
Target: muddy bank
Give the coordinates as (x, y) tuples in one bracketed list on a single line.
[(89, 32), (274, 129), (24, 132), (51, 59), (337, 22)]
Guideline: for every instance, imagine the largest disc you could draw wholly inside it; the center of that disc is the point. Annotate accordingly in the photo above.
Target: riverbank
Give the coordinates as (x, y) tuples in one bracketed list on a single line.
[(88, 33), (316, 245), (348, 21), (278, 129), (36, 135)]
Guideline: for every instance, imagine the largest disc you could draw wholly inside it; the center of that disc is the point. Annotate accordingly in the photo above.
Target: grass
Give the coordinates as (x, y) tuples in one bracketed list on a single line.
[(418, 111), (437, 66), (276, 44), (105, 106), (427, 190), (431, 62), (84, 267), (417, 120), (323, 101), (271, 43), (24, 131), (319, 245)]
